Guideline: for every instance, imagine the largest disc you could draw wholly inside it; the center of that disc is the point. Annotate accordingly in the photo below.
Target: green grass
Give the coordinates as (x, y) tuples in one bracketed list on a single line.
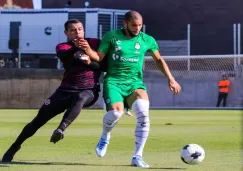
[(218, 132)]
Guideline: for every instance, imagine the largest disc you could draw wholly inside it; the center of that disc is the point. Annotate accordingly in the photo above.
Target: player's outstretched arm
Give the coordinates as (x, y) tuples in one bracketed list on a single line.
[(163, 67)]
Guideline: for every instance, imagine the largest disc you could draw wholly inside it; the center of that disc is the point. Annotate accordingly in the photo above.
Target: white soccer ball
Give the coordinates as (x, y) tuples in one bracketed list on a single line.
[(192, 154)]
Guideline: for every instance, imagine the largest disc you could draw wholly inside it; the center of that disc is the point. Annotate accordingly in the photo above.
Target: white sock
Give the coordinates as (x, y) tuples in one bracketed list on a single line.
[(109, 121), (141, 109)]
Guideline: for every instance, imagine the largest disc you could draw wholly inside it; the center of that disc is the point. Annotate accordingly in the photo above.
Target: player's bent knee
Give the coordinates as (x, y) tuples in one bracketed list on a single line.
[(140, 105), (112, 117), (118, 106)]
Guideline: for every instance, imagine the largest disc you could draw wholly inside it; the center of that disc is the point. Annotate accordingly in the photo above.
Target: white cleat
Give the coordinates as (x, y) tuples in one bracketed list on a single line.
[(128, 112), (137, 161), (101, 147)]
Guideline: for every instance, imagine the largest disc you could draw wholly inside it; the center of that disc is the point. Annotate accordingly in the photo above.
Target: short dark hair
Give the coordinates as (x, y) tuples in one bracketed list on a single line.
[(70, 21), (132, 15)]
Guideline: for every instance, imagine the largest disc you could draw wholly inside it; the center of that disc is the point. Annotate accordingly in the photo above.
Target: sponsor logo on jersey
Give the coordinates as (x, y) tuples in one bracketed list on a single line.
[(114, 56), (117, 48), (123, 59)]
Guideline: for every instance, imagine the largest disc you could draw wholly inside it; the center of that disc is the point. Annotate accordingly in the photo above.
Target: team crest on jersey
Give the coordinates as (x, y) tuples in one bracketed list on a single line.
[(47, 102), (137, 45)]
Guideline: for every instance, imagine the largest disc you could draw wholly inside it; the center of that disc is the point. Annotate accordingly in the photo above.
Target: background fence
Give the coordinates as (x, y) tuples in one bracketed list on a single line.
[(31, 47)]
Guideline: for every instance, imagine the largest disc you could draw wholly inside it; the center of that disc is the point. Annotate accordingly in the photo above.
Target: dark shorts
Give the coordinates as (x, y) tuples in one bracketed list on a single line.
[(61, 100)]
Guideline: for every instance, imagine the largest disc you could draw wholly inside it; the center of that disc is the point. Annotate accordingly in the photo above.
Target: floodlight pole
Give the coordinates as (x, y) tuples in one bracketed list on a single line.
[(188, 46), (20, 45)]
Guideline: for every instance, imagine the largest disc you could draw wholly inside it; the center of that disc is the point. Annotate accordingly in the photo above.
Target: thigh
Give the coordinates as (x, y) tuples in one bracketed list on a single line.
[(57, 103), (137, 94), (225, 95), (113, 97), (221, 95), (89, 97)]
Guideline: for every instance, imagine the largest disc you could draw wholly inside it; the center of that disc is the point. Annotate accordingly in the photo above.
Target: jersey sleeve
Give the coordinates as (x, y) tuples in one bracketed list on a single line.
[(105, 43), (64, 50), (152, 44)]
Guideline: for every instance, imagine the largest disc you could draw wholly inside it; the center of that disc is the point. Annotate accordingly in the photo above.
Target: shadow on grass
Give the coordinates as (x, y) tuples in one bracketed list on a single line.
[(54, 163), (70, 164), (3, 165), (167, 168)]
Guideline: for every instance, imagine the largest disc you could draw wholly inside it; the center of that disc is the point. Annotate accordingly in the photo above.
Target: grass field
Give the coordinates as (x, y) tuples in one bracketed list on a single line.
[(219, 132)]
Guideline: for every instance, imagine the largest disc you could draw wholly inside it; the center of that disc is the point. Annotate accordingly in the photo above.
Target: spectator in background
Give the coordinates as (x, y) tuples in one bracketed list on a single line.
[(223, 85), (2, 63), (16, 62)]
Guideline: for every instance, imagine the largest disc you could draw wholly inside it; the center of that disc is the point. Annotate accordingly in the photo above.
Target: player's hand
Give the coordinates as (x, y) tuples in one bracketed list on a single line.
[(81, 43), (174, 86)]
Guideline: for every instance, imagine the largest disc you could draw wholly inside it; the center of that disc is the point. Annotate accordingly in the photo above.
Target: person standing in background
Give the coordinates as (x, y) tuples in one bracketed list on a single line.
[(223, 85)]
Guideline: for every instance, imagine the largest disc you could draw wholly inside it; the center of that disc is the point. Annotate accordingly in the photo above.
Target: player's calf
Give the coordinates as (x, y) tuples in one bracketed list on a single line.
[(141, 109), (109, 121), (8, 156)]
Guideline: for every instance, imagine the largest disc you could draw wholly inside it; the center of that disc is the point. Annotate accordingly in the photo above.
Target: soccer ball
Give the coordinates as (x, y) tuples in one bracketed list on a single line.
[(192, 154)]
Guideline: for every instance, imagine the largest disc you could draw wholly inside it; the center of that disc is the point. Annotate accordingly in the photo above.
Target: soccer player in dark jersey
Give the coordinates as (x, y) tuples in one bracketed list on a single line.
[(79, 88)]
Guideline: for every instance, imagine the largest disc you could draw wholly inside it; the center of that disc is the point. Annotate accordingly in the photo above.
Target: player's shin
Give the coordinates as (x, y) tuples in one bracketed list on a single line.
[(141, 109), (109, 121)]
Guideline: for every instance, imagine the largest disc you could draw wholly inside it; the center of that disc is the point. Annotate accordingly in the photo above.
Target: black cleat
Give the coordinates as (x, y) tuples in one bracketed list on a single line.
[(8, 156), (57, 136)]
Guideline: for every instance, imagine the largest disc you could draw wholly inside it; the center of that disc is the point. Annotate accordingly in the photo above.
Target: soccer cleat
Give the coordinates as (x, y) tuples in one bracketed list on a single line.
[(101, 147), (57, 135), (8, 156), (137, 161), (128, 112)]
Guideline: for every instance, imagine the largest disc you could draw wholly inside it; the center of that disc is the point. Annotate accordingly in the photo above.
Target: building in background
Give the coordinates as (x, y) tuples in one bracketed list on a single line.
[(16, 4), (20, 4), (211, 21)]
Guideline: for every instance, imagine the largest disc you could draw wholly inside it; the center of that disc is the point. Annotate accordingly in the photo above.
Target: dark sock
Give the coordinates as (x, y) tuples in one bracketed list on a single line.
[(63, 125)]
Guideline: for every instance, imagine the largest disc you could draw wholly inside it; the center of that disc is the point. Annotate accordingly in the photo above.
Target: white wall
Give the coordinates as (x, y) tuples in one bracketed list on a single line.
[(32, 36), (91, 25)]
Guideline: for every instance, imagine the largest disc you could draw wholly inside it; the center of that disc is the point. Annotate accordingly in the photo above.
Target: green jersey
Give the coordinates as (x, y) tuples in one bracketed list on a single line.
[(125, 56)]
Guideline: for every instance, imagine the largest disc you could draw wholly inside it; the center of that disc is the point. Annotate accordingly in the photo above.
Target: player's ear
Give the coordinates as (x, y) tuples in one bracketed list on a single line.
[(125, 24), (65, 32)]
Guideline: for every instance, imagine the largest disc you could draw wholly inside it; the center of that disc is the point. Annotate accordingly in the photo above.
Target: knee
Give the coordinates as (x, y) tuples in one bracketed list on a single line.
[(112, 117), (118, 106), (140, 105), (29, 126)]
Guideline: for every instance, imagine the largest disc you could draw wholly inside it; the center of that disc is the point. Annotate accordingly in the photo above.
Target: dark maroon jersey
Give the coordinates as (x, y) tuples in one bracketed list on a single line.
[(78, 76)]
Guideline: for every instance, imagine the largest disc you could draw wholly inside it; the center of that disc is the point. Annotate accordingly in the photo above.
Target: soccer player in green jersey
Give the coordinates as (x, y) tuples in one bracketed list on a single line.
[(124, 50)]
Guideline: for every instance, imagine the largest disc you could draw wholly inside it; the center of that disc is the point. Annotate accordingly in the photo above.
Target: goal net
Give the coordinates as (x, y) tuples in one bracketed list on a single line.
[(198, 76), (200, 66)]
